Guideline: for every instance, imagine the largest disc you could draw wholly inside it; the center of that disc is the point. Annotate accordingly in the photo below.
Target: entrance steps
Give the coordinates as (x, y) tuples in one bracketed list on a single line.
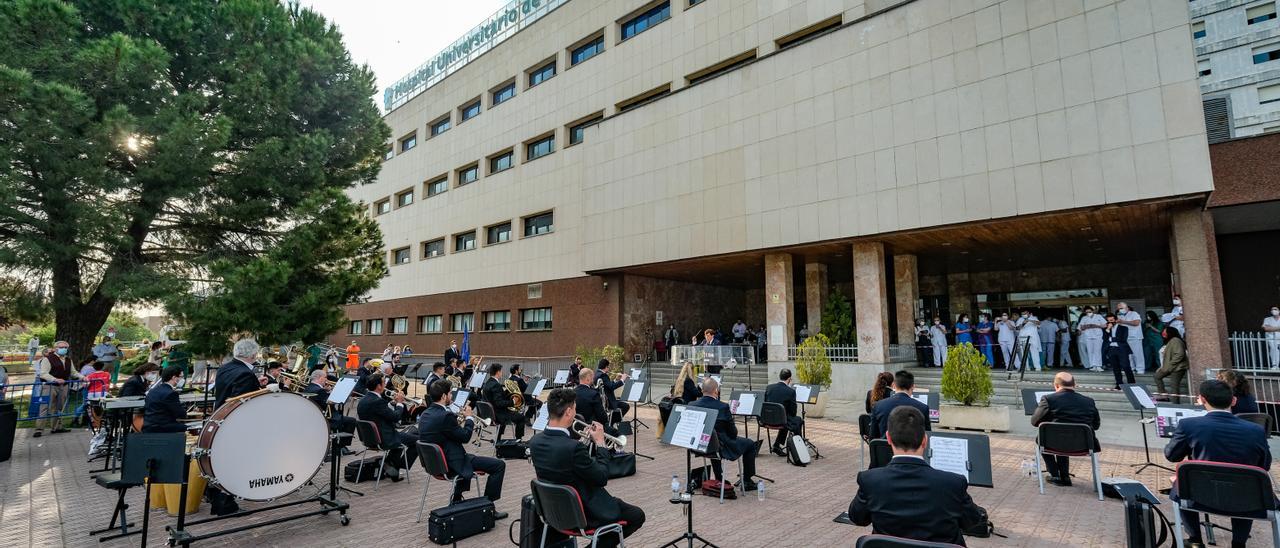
[(663, 375), (1098, 386)]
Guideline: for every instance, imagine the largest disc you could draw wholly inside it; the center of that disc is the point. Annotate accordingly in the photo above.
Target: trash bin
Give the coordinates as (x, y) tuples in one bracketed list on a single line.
[(8, 426)]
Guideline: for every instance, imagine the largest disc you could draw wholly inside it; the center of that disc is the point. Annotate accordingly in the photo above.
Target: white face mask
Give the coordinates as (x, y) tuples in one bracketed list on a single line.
[(1177, 302), (151, 377), (181, 382), (1275, 311), (453, 346)]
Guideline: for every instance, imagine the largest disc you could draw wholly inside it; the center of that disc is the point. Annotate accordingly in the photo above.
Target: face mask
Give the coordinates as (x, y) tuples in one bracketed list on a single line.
[(181, 382), (1275, 311), (1177, 302), (937, 322), (151, 377), (982, 318), (62, 352), (453, 346), (964, 319)]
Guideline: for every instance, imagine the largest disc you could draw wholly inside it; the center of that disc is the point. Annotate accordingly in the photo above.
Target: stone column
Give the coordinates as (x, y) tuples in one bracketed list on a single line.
[(1199, 282), (906, 291), (815, 294), (779, 306), (959, 297), (871, 302)]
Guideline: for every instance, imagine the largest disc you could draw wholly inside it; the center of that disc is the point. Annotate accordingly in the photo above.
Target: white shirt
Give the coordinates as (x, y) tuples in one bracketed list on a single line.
[(1027, 328), (1004, 331), (1272, 321), (1049, 330), (33, 343), (1092, 334), (1135, 331), (938, 334), (1064, 331), (739, 330), (1175, 323)]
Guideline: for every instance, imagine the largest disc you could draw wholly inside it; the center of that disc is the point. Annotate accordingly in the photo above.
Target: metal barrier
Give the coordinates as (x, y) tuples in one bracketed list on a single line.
[(838, 354), (31, 400), (1265, 385), (1249, 350), (533, 366)]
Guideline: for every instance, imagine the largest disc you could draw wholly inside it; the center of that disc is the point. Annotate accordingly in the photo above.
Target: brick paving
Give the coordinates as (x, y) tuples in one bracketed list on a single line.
[(47, 498)]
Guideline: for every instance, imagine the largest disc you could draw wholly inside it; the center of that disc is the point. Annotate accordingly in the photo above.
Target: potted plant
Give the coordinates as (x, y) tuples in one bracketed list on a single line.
[(966, 380), (814, 367)]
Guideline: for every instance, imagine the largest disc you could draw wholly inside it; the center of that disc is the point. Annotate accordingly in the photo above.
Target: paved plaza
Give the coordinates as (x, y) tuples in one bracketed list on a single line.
[(47, 498)]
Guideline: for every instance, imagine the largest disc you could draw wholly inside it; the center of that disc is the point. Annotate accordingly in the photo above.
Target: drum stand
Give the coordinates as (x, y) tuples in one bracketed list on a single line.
[(178, 534)]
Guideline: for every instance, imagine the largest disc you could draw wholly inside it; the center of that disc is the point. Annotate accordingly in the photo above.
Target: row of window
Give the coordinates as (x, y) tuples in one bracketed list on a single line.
[(1254, 15), (534, 225), (531, 319)]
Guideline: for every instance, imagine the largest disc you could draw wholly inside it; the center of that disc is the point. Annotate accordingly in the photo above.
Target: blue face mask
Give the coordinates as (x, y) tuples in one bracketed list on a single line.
[(62, 352)]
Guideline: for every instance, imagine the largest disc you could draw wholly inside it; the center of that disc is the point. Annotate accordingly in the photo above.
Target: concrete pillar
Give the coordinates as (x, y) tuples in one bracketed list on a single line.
[(871, 302), (815, 294), (906, 291), (1198, 281), (779, 306), (959, 297)]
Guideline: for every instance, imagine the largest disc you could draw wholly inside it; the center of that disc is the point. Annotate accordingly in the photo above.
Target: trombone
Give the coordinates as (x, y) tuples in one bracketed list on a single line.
[(610, 442)]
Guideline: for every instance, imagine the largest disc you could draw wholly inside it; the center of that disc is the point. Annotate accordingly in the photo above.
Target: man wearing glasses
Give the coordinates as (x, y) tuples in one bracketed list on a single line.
[(55, 370)]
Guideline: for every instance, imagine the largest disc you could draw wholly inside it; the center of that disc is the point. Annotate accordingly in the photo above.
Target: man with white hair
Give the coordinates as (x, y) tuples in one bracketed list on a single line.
[(236, 377)]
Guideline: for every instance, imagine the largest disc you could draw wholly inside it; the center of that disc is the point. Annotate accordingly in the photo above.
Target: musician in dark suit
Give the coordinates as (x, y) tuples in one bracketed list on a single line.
[(495, 392), (1218, 436), (1116, 350), (732, 447), (273, 370), (908, 498), (903, 383), (575, 371), (610, 388), (531, 401), (1065, 405), (163, 411), (137, 384), (319, 395), (440, 426), (589, 403), (386, 416), (781, 392), (437, 373), (236, 377), (557, 458), (451, 355)]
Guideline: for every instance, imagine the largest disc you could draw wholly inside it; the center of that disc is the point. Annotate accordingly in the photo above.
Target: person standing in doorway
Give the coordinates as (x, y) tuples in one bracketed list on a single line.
[(924, 346), (1049, 340), (1029, 329), (1005, 335), (964, 330), (984, 338), (1152, 340), (1174, 318), (739, 332), (938, 340), (1092, 331), (1129, 318), (1271, 334), (1064, 342), (1118, 350)]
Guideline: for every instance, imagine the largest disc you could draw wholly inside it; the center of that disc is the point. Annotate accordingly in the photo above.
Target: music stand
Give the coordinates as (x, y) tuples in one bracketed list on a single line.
[(695, 428), (562, 377), (633, 392), (1021, 347), (535, 386), (966, 454), (154, 458), (1141, 400), (746, 404), (1031, 399), (930, 399)]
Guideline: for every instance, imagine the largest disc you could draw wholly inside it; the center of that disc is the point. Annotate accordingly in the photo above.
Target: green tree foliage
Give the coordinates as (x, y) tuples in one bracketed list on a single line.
[(966, 377), (128, 327), (155, 148), (591, 356), (812, 364), (837, 320), (21, 304)]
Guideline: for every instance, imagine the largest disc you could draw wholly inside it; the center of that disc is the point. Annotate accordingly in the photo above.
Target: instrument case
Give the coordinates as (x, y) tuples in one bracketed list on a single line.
[(461, 520), (530, 528), (511, 449)]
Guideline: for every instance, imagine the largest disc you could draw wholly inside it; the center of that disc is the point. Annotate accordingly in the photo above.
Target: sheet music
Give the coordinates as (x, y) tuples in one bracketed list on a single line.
[(802, 393), (342, 390), (460, 398), (477, 380), (637, 392), (540, 423), (537, 388), (922, 398), (746, 403), (1167, 418), (636, 374), (1040, 394), (1141, 395), (562, 376), (688, 430), (950, 455)]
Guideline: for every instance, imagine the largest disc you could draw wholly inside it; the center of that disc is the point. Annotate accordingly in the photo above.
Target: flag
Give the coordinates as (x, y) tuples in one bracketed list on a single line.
[(466, 345)]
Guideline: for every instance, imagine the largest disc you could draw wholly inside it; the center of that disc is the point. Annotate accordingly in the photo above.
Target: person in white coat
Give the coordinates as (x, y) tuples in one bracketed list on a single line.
[(1029, 328), (1064, 342), (1130, 317), (1092, 328), (1049, 340), (1005, 337), (938, 336), (1271, 332)]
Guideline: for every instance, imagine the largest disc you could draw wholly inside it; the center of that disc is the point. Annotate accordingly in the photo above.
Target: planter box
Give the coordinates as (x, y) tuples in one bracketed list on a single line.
[(994, 418), (818, 410)]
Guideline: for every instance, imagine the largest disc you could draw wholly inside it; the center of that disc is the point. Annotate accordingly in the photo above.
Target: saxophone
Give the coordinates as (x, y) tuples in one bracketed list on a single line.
[(517, 397)]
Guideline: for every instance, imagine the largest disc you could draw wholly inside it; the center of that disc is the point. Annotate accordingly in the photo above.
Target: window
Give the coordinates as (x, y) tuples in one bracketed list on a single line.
[(538, 224), (1197, 30), (1266, 53), (535, 318), (503, 93), (464, 242), (356, 327), (382, 206), (497, 234), (400, 256), (644, 98), (589, 49), (693, 3), (429, 324), (375, 327), (811, 31), (500, 162), (437, 186), (404, 198), (542, 73), (407, 143), (1261, 13), (470, 111), (1202, 66), (462, 322), (578, 130), (540, 147), (399, 326), (721, 67), (498, 320), (1269, 94), (440, 126), (646, 20), (469, 174), (434, 248), (533, 291), (389, 153)]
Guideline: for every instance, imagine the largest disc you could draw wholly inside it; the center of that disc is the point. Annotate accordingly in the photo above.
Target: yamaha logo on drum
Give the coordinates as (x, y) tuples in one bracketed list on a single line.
[(271, 480)]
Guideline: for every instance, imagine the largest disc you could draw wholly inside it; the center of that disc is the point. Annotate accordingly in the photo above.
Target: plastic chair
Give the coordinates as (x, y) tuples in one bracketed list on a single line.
[(437, 466), (1233, 490), (713, 452), (886, 541), (371, 437), (1067, 440), (881, 453), (773, 416), (560, 507), (864, 432), (1260, 419)]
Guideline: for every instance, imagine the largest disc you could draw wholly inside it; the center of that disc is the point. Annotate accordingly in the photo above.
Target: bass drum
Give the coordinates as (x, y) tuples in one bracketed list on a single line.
[(263, 446)]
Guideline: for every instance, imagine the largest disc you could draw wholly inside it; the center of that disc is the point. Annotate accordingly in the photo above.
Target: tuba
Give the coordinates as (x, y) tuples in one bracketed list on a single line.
[(399, 383), (517, 397)]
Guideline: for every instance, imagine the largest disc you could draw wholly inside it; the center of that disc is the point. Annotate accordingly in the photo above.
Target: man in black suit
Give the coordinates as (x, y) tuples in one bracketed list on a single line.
[(1065, 405), (273, 371), (732, 447), (163, 411), (903, 383), (558, 459), (589, 404), (495, 392), (236, 377), (908, 498), (451, 354), (319, 395), (575, 372), (782, 393), (610, 388), (386, 416), (440, 426), (1218, 436), (437, 373)]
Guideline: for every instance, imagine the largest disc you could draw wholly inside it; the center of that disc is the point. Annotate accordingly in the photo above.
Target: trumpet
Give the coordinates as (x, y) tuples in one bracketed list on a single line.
[(582, 429), (392, 394)]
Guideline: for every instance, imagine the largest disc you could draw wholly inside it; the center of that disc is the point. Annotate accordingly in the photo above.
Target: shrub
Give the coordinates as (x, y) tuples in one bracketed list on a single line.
[(837, 320), (812, 364), (591, 356), (966, 377)]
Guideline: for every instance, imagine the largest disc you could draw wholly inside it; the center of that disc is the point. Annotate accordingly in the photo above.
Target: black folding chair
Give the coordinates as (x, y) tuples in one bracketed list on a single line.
[(881, 453), (560, 507), (773, 416), (1233, 490), (371, 437), (1067, 440), (886, 541), (713, 452), (864, 432)]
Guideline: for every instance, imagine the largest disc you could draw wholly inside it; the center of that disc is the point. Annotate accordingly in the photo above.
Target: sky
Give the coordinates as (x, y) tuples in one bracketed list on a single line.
[(393, 37)]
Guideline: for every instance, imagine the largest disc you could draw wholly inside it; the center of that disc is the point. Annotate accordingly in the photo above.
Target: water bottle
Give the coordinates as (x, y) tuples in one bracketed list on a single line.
[(1028, 468), (760, 489), (675, 488)]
